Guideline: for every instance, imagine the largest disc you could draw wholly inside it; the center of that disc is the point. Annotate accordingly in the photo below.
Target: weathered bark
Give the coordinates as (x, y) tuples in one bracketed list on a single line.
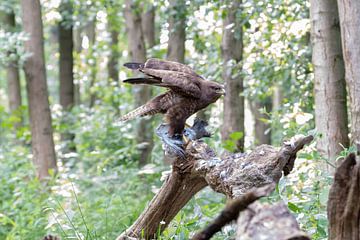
[(272, 222), (262, 128), (177, 34), (232, 50), (232, 210), (35, 73), (137, 51), (12, 72), (330, 92), (234, 175), (349, 13), (148, 26), (66, 61), (343, 205)]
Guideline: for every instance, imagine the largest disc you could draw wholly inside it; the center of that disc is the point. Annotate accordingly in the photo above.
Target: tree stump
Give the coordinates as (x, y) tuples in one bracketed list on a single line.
[(344, 200)]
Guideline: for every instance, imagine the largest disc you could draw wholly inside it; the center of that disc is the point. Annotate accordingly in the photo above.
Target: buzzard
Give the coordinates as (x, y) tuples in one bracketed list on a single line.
[(187, 93)]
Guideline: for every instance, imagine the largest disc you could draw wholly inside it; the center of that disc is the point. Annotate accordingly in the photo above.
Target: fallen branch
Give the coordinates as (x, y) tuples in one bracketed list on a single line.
[(233, 176)]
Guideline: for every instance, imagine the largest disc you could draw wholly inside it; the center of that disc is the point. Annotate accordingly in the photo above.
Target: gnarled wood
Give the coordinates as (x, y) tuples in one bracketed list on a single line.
[(233, 176)]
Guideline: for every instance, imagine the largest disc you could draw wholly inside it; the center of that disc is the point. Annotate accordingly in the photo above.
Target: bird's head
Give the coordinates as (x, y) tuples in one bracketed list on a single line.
[(216, 90)]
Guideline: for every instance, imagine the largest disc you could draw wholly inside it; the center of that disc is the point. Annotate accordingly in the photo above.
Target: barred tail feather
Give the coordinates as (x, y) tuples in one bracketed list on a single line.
[(139, 112)]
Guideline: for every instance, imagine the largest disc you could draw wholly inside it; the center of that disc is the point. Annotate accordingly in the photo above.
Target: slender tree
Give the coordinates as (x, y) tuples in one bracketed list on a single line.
[(91, 35), (114, 28), (12, 70), (142, 93), (232, 51), (148, 25), (329, 73), (259, 108), (349, 12), (66, 61), (177, 35), (77, 41), (35, 73)]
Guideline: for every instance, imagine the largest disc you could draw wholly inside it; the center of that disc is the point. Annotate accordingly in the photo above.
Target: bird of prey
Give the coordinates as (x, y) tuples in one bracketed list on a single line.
[(187, 93)]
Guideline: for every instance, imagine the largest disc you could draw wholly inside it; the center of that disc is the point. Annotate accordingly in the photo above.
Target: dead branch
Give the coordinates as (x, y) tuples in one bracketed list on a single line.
[(232, 210), (233, 176)]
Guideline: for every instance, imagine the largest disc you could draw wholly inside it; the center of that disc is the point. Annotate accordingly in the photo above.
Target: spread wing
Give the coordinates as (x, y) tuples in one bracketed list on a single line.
[(175, 76), (154, 63)]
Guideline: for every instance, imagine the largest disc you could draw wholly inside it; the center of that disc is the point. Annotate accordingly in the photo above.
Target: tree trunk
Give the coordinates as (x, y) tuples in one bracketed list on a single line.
[(91, 35), (232, 49), (343, 205), (66, 56), (148, 26), (137, 50), (77, 40), (262, 128), (177, 35), (349, 12), (330, 92), (113, 64), (35, 73), (12, 72)]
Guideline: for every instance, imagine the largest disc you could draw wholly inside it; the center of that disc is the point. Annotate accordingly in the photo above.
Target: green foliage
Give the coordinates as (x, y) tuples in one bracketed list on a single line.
[(231, 143)]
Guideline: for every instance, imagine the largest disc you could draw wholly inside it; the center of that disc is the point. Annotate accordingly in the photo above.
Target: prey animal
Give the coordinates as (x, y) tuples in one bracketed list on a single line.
[(187, 93)]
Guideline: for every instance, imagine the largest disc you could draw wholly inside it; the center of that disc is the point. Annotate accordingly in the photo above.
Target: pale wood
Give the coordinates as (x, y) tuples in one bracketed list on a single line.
[(349, 13), (329, 74)]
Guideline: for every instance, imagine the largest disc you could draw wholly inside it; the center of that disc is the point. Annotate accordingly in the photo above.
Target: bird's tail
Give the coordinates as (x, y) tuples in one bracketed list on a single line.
[(141, 111)]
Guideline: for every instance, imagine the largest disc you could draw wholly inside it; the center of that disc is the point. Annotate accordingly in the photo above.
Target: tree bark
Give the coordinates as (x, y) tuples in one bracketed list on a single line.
[(66, 61), (343, 205), (35, 73), (12, 72), (349, 13), (177, 34), (234, 175), (262, 128), (137, 51), (232, 50), (148, 26), (330, 92)]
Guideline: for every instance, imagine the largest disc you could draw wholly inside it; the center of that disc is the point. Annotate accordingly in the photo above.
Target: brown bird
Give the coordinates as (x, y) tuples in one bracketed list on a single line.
[(188, 93)]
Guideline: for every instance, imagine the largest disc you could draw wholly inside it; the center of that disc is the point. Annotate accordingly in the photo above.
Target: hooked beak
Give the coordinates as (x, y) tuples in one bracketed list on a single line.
[(222, 91)]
